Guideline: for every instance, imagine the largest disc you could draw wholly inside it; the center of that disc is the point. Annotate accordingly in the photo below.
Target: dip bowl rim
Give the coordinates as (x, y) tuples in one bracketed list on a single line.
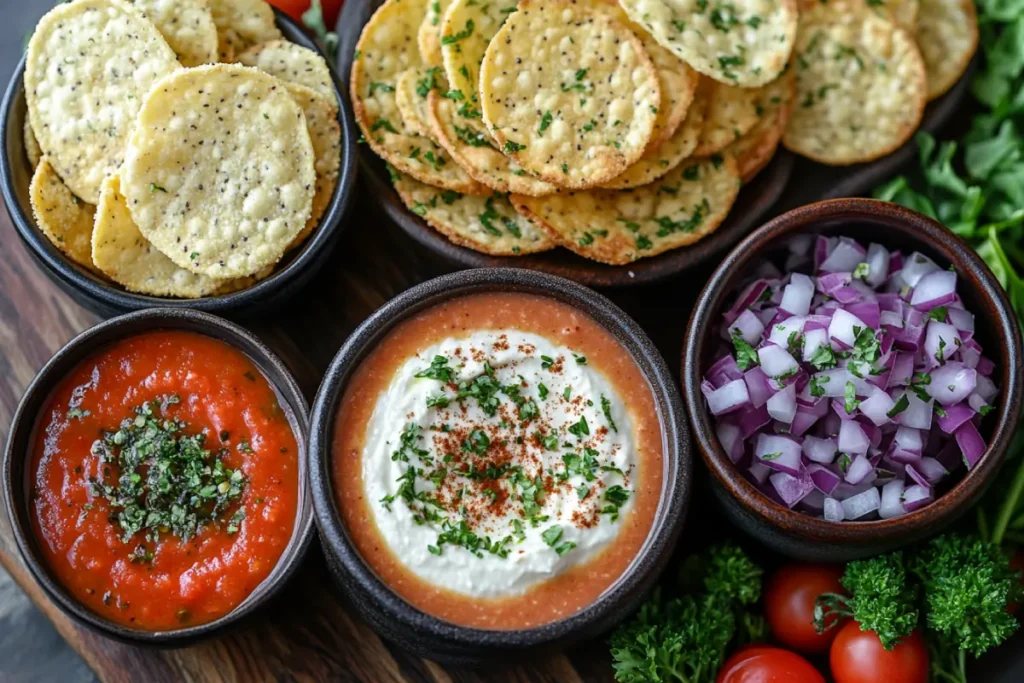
[(916, 232), (466, 643), (105, 296), (18, 452)]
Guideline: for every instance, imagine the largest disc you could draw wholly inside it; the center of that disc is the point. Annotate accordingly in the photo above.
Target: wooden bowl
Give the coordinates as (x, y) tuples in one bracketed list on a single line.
[(803, 536), (108, 298), (435, 638), (19, 448), (755, 201)]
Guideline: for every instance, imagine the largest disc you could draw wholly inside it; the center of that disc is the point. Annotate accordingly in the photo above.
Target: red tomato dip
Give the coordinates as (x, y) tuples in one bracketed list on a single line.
[(164, 480)]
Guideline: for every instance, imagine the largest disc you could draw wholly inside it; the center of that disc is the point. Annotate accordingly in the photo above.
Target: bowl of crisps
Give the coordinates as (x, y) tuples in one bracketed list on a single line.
[(619, 142), (211, 170), (664, 169)]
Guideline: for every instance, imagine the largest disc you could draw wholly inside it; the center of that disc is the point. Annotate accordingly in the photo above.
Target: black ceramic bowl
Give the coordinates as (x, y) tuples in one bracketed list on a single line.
[(802, 536), (429, 636), (107, 298), (19, 448)]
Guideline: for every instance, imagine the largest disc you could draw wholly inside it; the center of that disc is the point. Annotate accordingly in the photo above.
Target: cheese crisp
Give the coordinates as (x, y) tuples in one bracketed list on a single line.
[(220, 171), (621, 227), (487, 224), (947, 33), (186, 25), (242, 24), (477, 152), (386, 48), (64, 218), (756, 148), (668, 155), (127, 257), (429, 36), (292, 63), (744, 42), (569, 94), (861, 86), (731, 113), (89, 65)]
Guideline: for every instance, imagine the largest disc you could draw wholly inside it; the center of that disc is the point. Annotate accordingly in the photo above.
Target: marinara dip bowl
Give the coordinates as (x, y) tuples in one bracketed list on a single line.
[(499, 462), (996, 329), (155, 476)]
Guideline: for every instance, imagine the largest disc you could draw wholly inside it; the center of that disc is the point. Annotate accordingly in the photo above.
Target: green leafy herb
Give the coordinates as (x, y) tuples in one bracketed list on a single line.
[(746, 356), (461, 35)]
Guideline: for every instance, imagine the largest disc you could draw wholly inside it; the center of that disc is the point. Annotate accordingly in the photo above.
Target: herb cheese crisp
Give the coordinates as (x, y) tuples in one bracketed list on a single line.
[(242, 24), (593, 76), (64, 218), (620, 227), (429, 36), (186, 25), (387, 48), (947, 33), (731, 113), (292, 63), (485, 223), (745, 42), (128, 258), (220, 171), (861, 86), (411, 99), (89, 64), (757, 146), (467, 28), (669, 154), (477, 152)]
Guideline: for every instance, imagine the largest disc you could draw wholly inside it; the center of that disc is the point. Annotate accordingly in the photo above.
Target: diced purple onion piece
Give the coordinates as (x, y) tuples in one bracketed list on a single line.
[(937, 288), (916, 496), (727, 398), (782, 406), (867, 311), (758, 471), (797, 295), (954, 416), (940, 342), (753, 420), (748, 327), (852, 439), (731, 438), (819, 450), (751, 294), (952, 383), (841, 327), (782, 331), (776, 361), (759, 386), (723, 371), (985, 367), (844, 256), (858, 470), (985, 388), (791, 489), (877, 259), (918, 413), (876, 407), (915, 267), (931, 469), (972, 446), (961, 319), (779, 453), (902, 370)]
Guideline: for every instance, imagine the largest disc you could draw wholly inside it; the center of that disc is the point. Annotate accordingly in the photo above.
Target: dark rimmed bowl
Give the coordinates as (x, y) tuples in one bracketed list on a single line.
[(19, 448), (107, 298), (427, 635), (802, 536)]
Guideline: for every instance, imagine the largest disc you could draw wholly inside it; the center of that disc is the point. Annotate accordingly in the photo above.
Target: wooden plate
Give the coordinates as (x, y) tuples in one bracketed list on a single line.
[(752, 206)]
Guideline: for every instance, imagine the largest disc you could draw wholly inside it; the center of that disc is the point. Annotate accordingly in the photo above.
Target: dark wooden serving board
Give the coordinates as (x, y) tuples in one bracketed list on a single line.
[(307, 634)]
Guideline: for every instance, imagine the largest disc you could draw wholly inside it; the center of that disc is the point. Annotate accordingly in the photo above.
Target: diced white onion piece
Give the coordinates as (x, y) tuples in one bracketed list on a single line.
[(952, 383), (852, 439), (918, 413), (748, 326), (941, 341), (915, 267), (876, 407), (842, 327), (782, 331), (833, 510), (782, 406), (844, 257), (797, 295), (862, 504), (878, 264), (813, 339), (891, 505), (819, 450), (776, 361)]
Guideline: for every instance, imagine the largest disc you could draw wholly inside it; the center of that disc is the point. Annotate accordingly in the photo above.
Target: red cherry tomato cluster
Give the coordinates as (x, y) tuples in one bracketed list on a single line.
[(855, 656), (295, 8)]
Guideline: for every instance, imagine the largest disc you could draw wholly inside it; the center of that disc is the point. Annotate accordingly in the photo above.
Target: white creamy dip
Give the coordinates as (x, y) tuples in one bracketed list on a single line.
[(506, 461)]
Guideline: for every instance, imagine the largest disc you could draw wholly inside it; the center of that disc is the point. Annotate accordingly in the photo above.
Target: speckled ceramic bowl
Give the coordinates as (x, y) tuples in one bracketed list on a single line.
[(19, 447), (802, 536), (107, 298), (429, 636)]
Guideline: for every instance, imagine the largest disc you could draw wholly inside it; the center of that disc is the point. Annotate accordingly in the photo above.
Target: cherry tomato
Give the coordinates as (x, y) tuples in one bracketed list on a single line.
[(295, 8), (789, 605), (858, 657), (763, 664)]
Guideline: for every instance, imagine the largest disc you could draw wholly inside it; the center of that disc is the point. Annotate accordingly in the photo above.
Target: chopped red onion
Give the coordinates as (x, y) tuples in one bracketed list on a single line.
[(850, 363)]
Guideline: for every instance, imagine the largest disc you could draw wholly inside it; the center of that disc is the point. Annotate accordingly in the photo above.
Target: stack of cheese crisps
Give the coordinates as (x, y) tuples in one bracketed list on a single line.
[(159, 167), (618, 131)]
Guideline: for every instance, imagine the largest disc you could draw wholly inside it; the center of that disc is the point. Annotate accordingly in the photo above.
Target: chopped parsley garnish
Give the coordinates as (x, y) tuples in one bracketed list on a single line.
[(606, 408), (823, 358), (513, 147), (383, 87), (746, 356), (580, 429), (545, 121), (461, 35), (439, 370), (901, 404), (168, 482), (850, 395)]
